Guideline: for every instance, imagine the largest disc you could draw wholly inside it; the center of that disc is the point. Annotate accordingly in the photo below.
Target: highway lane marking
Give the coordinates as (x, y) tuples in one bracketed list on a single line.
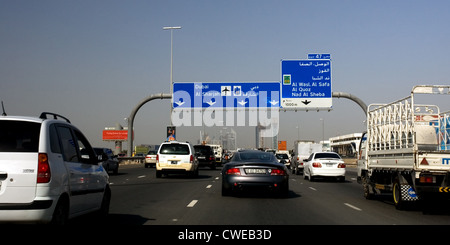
[(351, 206), (208, 186), (141, 176), (312, 188), (192, 203)]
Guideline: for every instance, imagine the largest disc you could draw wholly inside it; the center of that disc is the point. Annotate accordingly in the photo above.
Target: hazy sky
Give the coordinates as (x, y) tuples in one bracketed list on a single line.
[(94, 60)]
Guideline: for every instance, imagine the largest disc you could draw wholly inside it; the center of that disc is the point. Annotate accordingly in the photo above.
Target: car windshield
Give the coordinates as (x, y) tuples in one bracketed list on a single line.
[(282, 156), (256, 156), (203, 150), (18, 136), (175, 149), (98, 151), (327, 155)]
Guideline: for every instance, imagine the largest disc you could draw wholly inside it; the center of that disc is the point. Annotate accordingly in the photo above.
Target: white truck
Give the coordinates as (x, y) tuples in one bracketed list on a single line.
[(302, 150), (406, 148), (217, 152)]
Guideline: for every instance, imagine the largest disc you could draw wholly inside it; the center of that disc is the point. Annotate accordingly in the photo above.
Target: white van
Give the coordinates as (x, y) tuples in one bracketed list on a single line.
[(48, 171), (176, 157)]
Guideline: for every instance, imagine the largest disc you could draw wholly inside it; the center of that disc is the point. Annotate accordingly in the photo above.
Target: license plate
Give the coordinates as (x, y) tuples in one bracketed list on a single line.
[(329, 165), (173, 162), (255, 171)]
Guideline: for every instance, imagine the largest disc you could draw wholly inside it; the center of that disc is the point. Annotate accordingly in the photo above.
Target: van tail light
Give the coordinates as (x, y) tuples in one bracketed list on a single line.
[(317, 165), (43, 172), (157, 157), (192, 158)]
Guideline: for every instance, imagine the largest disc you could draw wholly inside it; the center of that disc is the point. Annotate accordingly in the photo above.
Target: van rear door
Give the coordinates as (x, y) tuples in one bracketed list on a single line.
[(19, 143)]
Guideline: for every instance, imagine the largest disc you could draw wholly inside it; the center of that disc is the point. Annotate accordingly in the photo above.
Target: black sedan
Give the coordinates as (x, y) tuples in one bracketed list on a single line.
[(255, 169)]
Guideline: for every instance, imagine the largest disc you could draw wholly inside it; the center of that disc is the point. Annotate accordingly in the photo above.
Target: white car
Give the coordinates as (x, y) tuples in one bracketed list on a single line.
[(150, 158), (324, 164), (176, 157), (49, 172)]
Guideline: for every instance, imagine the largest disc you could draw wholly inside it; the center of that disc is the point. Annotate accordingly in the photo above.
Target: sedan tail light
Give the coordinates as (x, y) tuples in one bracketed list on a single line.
[(234, 171), (317, 165), (277, 172), (341, 165)]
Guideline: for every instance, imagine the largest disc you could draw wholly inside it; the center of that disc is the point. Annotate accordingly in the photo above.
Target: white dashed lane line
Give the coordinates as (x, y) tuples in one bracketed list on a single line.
[(346, 204), (354, 207), (192, 203)]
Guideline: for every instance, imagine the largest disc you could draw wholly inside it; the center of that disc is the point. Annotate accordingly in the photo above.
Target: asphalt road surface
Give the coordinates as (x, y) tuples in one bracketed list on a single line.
[(139, 198)]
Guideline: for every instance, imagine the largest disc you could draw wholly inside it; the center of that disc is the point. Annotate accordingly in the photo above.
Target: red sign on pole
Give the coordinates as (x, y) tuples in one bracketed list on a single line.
[(116, 135)]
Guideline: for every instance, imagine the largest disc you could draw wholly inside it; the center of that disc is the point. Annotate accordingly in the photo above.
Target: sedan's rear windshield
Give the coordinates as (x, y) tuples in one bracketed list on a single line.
[(327, 155), (256, 156), (19, 136), (175, 149)]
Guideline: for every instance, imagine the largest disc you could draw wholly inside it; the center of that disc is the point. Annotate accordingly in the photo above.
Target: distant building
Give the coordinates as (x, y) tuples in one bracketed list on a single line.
[(346, 145)]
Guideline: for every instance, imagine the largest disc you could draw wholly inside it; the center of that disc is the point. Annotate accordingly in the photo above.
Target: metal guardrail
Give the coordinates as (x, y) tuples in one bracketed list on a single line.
[(138, 159)]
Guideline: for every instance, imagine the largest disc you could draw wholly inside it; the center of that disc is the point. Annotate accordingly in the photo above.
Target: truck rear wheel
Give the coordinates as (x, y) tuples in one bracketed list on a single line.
[(397, 195), (366, 188)]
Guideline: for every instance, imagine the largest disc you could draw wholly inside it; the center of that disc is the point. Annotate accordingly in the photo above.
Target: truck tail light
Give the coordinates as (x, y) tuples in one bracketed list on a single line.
[(427, 179), (43, 171)]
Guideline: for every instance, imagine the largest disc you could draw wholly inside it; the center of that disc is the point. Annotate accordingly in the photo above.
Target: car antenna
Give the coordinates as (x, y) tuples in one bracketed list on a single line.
[(3, 107)]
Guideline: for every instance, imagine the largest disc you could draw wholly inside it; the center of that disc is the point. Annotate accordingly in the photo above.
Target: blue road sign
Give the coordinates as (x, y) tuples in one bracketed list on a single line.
[(306, 84), (226, 95), (319, 56)]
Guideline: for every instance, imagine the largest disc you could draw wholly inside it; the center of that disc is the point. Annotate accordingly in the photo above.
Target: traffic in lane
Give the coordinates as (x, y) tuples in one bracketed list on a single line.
[(142, 199)]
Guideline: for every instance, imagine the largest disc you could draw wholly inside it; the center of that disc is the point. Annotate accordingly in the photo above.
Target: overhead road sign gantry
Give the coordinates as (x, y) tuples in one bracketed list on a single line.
[(237, 95), (306, 84)]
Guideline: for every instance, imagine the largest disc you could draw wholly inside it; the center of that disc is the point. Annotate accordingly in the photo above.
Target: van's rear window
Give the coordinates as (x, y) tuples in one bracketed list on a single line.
[(19, 136), (175, 149)]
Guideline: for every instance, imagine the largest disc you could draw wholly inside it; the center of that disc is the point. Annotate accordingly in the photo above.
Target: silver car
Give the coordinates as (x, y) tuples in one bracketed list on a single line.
[(251, 169)]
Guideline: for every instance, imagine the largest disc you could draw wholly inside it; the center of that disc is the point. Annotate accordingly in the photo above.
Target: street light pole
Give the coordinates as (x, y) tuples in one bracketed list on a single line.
[(171, 28)]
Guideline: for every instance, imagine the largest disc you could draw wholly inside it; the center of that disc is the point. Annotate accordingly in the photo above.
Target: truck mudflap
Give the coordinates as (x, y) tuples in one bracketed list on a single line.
[(403, 194), (408, 193)]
